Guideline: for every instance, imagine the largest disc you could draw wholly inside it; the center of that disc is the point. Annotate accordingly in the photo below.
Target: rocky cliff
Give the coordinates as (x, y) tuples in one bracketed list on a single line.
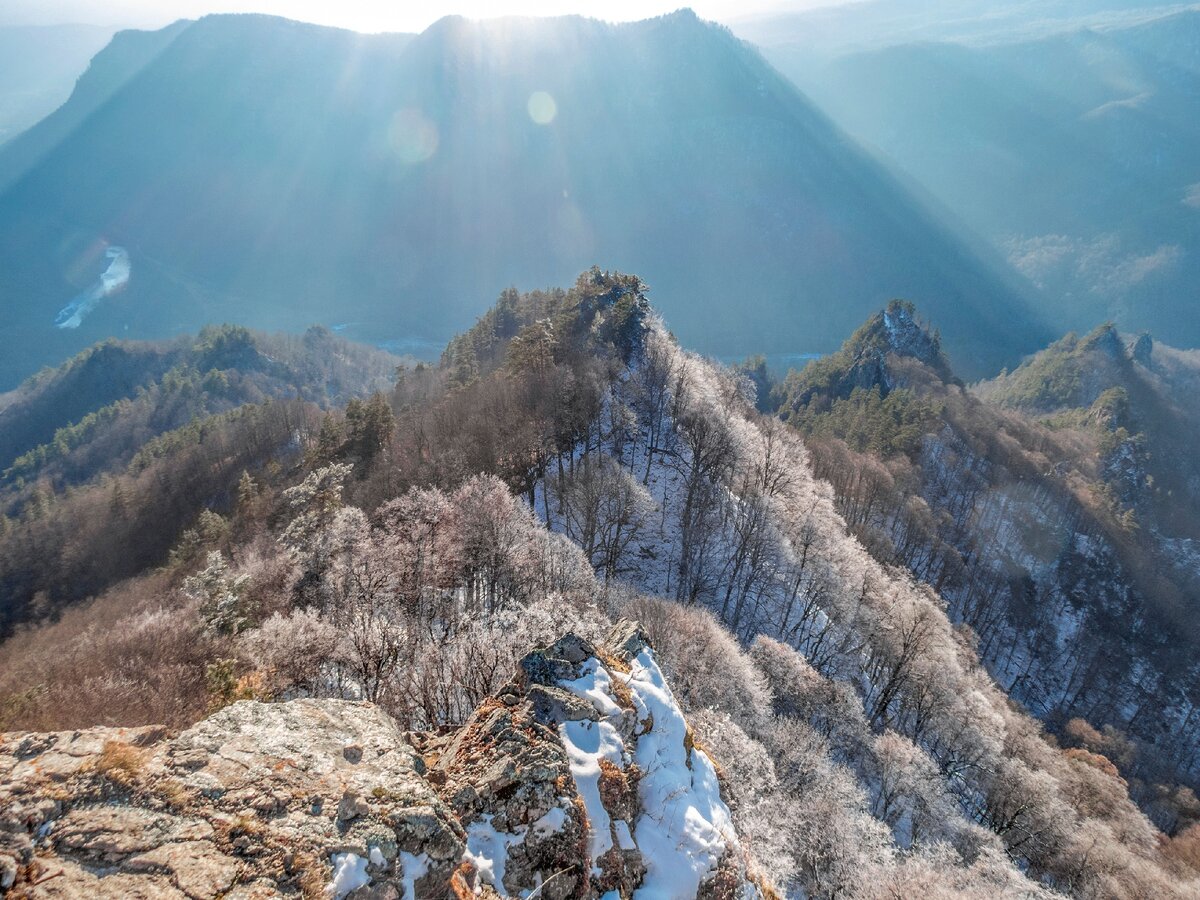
[(579, 778)]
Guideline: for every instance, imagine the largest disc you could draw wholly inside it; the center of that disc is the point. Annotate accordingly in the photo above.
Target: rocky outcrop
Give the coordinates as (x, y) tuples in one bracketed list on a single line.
[(579, 778), (873, 359), (1141, 350)]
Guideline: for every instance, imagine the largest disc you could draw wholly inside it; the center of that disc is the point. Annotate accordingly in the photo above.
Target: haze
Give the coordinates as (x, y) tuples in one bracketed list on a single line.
[(364, 15)]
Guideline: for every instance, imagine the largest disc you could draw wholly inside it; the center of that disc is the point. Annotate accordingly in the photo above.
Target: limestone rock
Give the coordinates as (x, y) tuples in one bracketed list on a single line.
[(197, 868)]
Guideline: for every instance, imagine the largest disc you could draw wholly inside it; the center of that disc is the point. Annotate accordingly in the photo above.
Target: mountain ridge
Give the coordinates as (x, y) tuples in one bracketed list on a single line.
[(567, 464), (1052, 508)]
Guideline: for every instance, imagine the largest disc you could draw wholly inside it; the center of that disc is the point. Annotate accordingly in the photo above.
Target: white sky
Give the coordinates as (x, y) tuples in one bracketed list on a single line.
[(368, 15)]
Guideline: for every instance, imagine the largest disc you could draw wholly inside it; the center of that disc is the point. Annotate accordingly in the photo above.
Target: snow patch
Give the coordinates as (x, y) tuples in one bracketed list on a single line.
[(624, 839), (587, 743), (551, 823), (414, 867), (487, 849), (595, 686), (685, 827), (349, 874)]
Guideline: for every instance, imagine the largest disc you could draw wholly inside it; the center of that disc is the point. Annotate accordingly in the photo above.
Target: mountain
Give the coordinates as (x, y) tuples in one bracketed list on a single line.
[(1137, 388), (1076, 155), (159, 424), (38, 68), (256, 170), (823, 33), (1052, 508), (146, 388), (123, 57), (564, 466)]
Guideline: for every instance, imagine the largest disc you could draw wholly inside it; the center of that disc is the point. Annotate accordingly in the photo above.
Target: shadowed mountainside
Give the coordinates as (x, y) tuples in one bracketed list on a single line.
[(275, 174)]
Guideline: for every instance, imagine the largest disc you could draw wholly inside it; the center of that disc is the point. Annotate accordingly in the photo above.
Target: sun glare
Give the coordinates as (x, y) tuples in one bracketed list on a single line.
[(375, 16), (358, 15), (542, 108)]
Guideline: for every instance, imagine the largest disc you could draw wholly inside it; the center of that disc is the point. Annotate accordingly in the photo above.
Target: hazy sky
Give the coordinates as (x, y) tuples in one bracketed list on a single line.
[(367, 15)]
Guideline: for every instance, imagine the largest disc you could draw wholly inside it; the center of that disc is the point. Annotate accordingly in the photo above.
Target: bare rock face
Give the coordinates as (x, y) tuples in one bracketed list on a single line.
[(261, 798), (579, 778)]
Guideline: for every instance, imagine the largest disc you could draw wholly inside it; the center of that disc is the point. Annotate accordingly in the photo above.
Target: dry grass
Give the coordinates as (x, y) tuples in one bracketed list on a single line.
[(1184, 848), (312, 876), (174, 794), (618, 790), (134, 656), (119, 762)]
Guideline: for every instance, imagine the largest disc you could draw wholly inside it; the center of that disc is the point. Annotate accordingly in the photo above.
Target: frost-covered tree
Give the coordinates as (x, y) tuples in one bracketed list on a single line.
[(603, 509), (220, 596), (293, 651)]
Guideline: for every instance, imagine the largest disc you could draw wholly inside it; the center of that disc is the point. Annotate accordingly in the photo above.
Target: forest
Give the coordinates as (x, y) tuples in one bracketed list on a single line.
[(566, 464)]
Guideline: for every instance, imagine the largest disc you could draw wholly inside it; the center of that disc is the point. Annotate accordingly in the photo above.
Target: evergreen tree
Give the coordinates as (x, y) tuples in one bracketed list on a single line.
[(222, 607)]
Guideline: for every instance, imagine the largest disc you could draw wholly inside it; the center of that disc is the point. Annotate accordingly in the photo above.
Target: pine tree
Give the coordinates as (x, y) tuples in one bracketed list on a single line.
[(329, 439), (370, 427), (247, 493), (222, 607)]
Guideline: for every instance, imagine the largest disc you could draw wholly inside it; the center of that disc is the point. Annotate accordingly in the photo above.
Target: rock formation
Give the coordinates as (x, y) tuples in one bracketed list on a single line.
[(579, 778)]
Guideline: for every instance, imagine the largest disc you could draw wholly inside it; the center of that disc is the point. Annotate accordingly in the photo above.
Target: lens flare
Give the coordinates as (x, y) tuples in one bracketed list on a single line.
[(542, 108), (413, 138)]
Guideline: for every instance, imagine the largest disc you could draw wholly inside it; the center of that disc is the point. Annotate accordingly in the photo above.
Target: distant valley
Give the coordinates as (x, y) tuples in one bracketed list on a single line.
[(1072, 144)]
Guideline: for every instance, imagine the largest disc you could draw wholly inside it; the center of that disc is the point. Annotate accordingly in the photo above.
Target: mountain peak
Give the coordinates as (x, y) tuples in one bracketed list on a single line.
[(1075, 371), (683, 14), (898, 331), (906, 336), (1104, 339), (865, 361), (1141, 349)]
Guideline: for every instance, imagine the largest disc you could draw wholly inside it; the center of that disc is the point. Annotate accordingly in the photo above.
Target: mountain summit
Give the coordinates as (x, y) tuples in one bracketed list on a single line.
[(263, 171)]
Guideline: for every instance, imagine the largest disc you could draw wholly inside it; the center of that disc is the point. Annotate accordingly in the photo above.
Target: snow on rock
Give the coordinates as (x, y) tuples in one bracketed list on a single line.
[(685, 828), (580, 779), (413, 868), (349, 874), (676, 832), (552, 822), (587, 744), (487, 848)]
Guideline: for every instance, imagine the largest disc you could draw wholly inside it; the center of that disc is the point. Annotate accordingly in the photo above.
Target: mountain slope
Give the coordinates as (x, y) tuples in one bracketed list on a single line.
[(38, 67), (1047, 531), (1138, 398), (272, 173), (565, 464), (123, 386), (162, 425), (1075, 155)]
